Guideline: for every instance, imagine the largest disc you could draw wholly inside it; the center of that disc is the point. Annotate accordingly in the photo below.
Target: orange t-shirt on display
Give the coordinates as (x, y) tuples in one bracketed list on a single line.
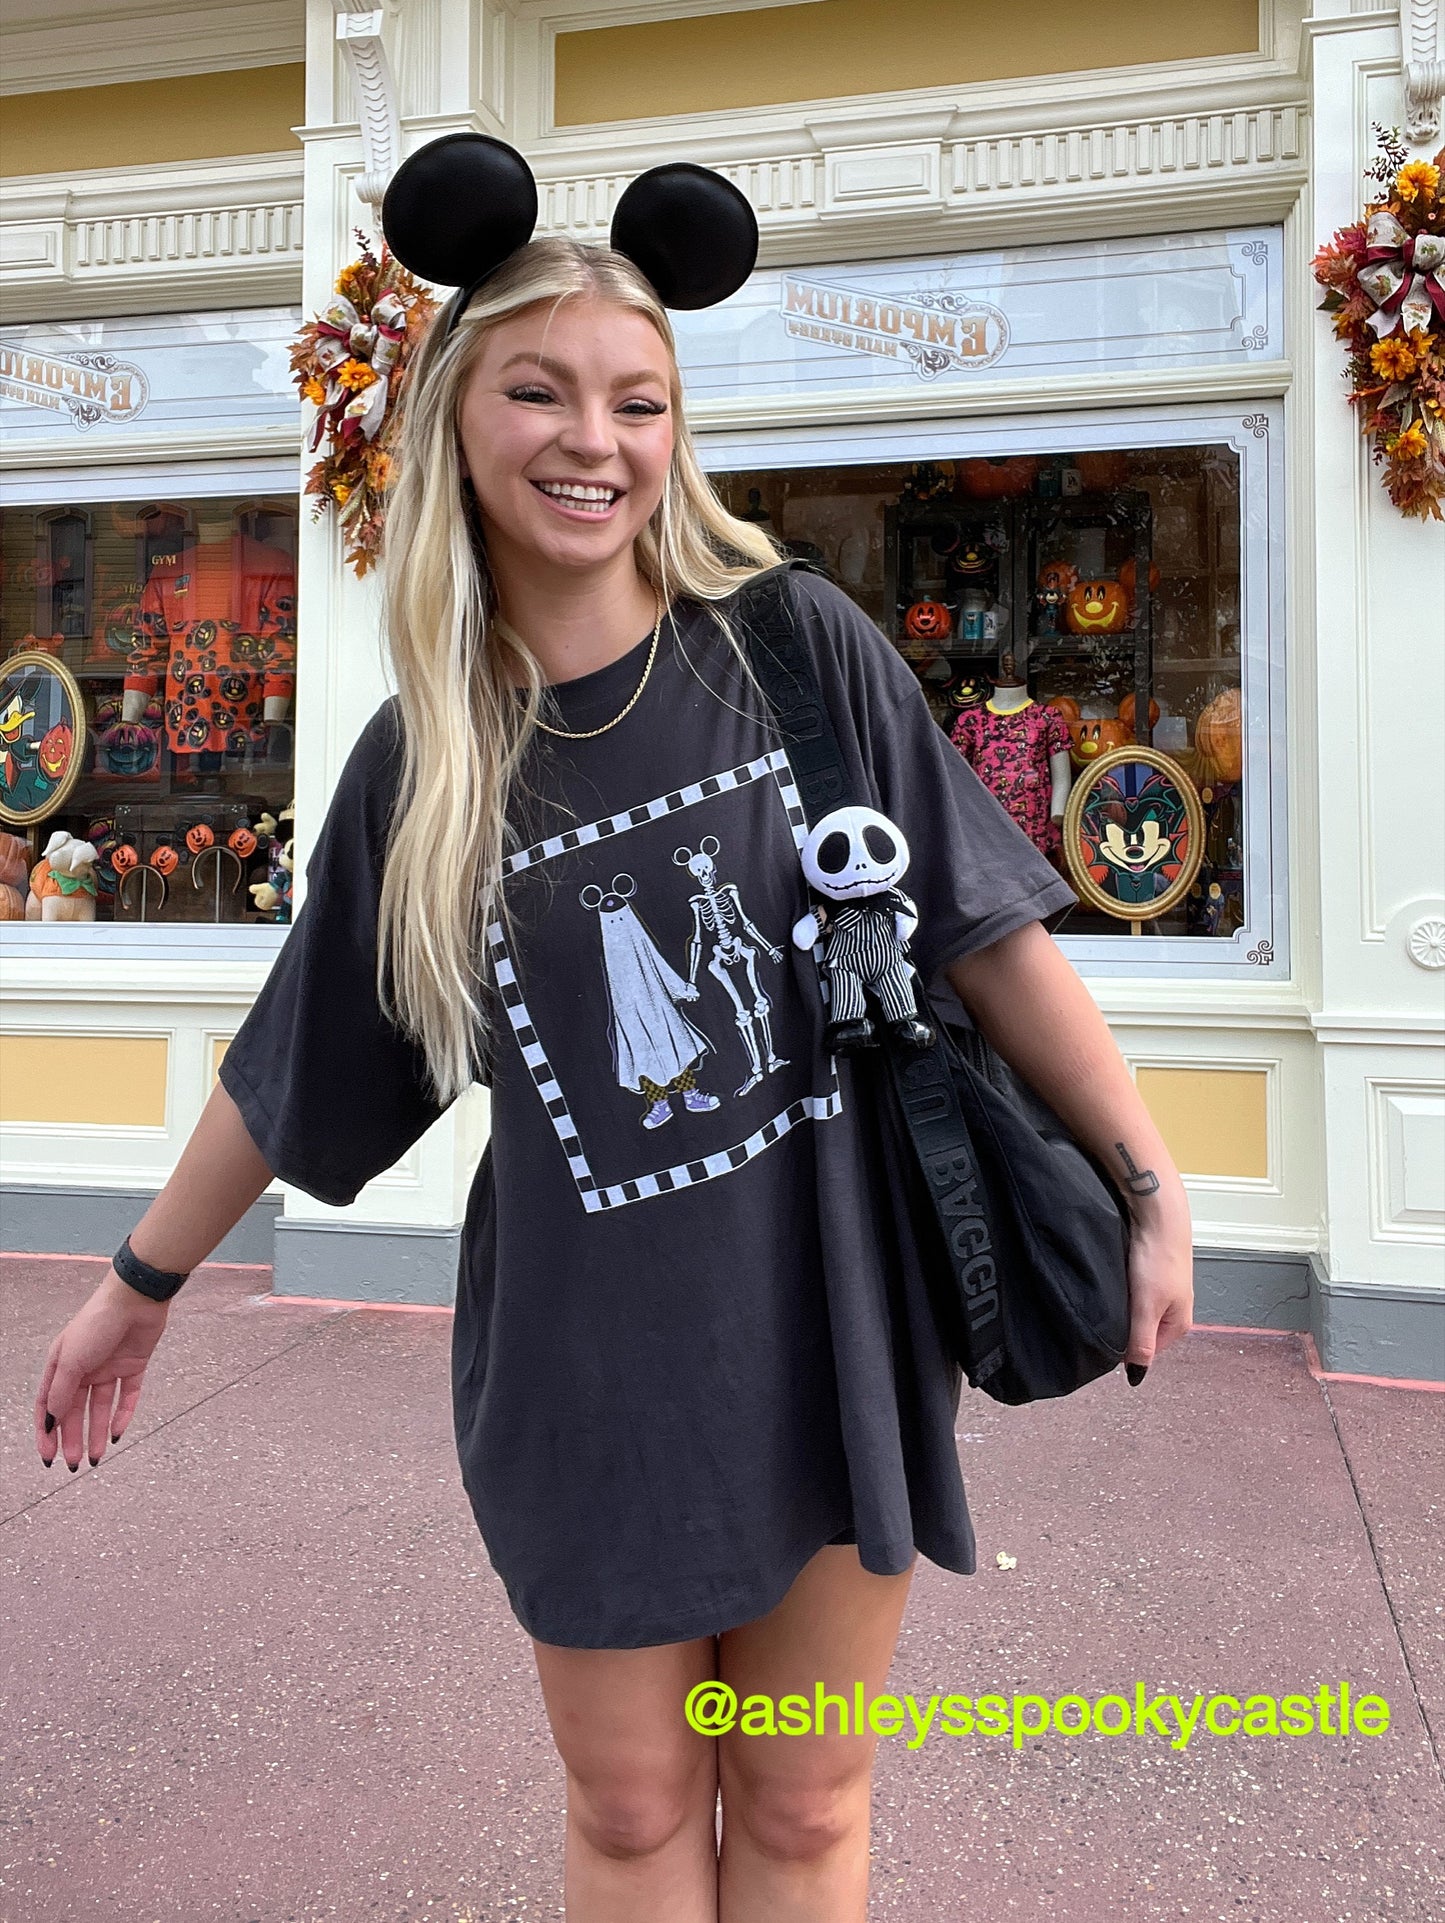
[(217, 629)]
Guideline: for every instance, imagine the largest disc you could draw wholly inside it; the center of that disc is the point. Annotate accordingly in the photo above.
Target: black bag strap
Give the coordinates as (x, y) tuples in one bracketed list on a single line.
[(923, 1080)]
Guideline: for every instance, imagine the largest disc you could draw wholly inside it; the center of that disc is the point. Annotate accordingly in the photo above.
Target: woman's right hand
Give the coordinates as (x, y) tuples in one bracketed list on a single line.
[(104, 1346)]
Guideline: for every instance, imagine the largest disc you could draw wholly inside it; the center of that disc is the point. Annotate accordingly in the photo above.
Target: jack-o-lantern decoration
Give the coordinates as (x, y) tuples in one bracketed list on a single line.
[(199, 837), (1094, 738), (1097, 607), (998, 475), (1128, 709), (124, 858), (164, 859), (1219, 737), (1065, 706), (53, 752), (1129, 575), (928, 621), (242, 842), (971, 558)]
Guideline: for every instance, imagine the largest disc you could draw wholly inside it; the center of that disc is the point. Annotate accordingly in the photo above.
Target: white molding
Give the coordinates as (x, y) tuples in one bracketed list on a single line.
[(360, 36), (175, 444), (1422, 45), (221, 233), (46, 45), (828, 407)]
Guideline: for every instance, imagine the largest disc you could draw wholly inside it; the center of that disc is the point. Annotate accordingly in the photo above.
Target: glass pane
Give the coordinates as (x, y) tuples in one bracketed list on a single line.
[(1103, 586), (147, 697)]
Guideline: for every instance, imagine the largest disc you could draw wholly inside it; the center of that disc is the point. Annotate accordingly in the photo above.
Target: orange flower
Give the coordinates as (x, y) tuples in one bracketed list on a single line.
[(1392, 359), (1417, 177), (379, 468), (340, 493), (355, 375), (1410, 445), (313, 390)]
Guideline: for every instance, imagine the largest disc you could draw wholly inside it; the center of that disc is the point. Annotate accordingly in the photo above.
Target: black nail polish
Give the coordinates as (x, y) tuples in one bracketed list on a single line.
[(49, 1422), (50, 1463), (1136, 1372), (94, 1461), (73, 1467), (115, 1438)]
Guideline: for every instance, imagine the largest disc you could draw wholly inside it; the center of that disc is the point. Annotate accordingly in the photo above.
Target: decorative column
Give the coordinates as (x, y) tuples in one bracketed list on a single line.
[(1369, 835), (378, 81)]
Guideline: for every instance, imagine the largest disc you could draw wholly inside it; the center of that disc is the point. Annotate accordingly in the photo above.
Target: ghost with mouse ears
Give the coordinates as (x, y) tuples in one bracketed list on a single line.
[(461, 205)]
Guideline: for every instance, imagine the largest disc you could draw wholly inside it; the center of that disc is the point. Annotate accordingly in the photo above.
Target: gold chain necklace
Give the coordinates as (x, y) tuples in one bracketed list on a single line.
[(510, 634)]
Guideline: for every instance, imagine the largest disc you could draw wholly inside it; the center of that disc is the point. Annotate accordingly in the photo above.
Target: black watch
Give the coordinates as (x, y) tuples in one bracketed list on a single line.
[(159, 1284)]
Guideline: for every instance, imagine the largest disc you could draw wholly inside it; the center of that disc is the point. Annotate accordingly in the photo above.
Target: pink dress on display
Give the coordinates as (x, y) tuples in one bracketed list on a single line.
[(1010, 755)]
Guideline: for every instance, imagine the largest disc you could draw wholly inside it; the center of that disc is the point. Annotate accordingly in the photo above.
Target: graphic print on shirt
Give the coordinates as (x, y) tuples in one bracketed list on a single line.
[(718, 913), (613, 1002), (655, 1048)]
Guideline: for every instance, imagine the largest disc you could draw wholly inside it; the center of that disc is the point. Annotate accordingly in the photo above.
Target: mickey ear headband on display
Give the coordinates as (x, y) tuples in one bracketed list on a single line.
[(461, 205)]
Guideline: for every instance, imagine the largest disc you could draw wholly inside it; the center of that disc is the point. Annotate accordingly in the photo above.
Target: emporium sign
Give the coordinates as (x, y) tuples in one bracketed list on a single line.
[(939, 333), (91, 387)]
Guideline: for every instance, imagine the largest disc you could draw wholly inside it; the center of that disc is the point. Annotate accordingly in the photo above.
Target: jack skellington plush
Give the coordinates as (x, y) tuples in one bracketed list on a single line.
[(855, 858), (461, 205)]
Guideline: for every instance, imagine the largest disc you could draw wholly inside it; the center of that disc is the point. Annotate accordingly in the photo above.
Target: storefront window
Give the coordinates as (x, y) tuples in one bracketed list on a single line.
[(147, 710), (1056, 607)]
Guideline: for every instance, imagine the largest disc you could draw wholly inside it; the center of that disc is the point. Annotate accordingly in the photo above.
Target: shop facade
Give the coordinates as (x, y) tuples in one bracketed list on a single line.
[(1031, 368)]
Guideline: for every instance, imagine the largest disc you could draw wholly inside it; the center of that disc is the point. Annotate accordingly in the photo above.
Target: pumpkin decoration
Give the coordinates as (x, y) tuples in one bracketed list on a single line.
[(62, 882), (164, 858), (12, 903), (1097, 607), (928, 621), (1129, 574), (54, 750), (242, 842), (1057, 577), (1094, 738), (124, 858), (1103, 468), (1127, 711), (1219, 737), (198, 837), (971, 558), (14, 859), (999, 476), (1065, 706)]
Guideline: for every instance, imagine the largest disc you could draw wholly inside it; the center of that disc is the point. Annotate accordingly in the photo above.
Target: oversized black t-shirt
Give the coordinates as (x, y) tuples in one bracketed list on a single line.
[(691, 1346)]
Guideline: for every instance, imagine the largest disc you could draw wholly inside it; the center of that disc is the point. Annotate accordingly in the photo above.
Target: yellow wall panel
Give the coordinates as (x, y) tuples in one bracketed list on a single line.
[(104, 1081), (203, 116), (846, 47), (1214, 1120), (219, 1045)]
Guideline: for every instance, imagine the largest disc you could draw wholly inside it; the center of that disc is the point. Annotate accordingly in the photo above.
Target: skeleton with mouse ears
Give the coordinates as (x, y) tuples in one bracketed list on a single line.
[(855, 857)]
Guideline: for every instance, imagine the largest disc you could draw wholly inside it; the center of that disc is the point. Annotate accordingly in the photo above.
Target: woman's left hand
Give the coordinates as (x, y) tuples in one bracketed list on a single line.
[(1161, 1285)]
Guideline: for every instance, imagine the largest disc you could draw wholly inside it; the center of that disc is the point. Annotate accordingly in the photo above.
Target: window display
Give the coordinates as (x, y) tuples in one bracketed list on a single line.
[(1057, 608), (147, 692)]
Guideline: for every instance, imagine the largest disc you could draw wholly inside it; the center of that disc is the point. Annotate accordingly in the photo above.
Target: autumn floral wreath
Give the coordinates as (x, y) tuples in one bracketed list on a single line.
[(351, 363), (1385, 277)]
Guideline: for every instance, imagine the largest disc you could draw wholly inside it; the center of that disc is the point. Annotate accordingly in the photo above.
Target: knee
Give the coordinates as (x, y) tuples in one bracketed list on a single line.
[(627, 1816), (799, 1822)]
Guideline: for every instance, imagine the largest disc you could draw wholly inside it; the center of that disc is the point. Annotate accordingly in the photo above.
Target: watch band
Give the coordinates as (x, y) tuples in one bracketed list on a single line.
[(159, 1284)]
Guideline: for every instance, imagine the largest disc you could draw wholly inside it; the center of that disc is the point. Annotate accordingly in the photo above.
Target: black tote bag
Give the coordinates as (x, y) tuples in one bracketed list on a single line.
[(1023, 1238)]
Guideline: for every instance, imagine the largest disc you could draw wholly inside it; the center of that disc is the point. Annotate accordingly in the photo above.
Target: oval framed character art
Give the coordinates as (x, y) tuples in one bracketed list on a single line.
[(1134, 834), (42, 735)]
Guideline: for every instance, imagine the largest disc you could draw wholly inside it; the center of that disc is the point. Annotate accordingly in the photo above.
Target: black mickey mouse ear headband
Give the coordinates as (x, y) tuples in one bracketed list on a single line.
[(461, 205)]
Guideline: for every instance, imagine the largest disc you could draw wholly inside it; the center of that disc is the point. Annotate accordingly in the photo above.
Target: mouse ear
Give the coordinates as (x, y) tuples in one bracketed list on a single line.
[(692, 233), (456, 208)]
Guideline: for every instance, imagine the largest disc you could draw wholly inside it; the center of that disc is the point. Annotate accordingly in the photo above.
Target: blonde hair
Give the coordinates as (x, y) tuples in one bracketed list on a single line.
[(464, 729)]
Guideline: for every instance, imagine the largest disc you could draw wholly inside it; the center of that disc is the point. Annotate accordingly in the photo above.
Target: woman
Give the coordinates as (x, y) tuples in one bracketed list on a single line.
[(703, 1411)]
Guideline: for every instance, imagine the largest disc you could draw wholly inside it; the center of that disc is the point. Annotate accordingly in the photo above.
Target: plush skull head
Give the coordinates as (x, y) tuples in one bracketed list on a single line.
[(854, 853)]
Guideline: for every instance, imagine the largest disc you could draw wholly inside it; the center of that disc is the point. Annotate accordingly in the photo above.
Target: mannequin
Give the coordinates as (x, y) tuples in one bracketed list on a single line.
[(1021, 753), (217, 627)]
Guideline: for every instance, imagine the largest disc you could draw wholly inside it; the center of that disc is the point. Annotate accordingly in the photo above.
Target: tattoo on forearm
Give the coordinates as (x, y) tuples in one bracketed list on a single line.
[(1138, 1181)]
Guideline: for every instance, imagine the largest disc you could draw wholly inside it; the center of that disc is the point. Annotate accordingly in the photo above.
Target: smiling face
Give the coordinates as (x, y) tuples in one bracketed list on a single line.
[(566, 432)]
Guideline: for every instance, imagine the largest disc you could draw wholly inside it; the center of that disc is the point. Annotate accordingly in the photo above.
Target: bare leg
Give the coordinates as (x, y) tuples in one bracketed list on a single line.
[(796, 1808), (641, 1785)]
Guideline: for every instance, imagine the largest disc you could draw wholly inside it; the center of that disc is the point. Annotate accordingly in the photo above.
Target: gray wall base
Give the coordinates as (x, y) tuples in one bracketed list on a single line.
[(1365, 1328), (367, 1262), (35, 1220), (1250, 1291)]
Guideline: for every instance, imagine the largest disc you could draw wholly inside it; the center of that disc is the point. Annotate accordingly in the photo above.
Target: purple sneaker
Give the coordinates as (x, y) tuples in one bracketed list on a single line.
[(660, 1112), (698, 1099)]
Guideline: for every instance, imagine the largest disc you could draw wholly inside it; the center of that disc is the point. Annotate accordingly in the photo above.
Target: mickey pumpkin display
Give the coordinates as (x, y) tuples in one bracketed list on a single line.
[(1096, 737), (199, 837), (1129, 575), (1219, 737), (1096, 607), (1067, 708), (928, 621)]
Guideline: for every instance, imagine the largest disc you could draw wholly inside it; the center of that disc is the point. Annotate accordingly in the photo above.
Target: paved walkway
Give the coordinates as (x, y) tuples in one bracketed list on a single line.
[(257, 1666)]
